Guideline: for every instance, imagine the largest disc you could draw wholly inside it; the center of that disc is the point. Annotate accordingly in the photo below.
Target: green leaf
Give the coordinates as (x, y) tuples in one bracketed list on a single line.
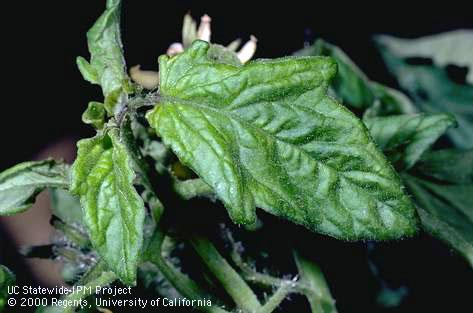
[(94, 115), (445, 212), (107, 66), (7, 278), (140, 166), (389, 101), (266, 134), (88, 72), (354, 88), (221, 54), (350, 83), (450, 165), (433, 92), (454, 47), (102, 176), (442, 185), (404, 138), (20, 184), (65, 206), (314, 286)]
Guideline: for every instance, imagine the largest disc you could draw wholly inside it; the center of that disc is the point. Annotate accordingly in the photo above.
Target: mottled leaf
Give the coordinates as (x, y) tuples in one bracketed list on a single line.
[(454, 47), (404, 138), (433, 91), (266, 134), (314, 286), (102, 176), (20, 184)]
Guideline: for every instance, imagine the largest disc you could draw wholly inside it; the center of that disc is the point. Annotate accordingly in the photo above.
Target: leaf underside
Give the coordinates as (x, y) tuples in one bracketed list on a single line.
[(266, 134)]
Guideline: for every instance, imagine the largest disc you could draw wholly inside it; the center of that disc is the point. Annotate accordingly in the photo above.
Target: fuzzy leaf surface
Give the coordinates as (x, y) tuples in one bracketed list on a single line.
[(113, 212), (266, 134), (107, 66)]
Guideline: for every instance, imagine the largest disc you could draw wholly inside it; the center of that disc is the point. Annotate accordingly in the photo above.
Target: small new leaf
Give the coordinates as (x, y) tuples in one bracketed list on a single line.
[(266, 134), (20, 184), (94, 115), (102, 176), (404, 138)]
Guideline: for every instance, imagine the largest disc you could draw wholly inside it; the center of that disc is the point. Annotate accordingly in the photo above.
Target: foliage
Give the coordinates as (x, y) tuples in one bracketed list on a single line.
[(335, 152)]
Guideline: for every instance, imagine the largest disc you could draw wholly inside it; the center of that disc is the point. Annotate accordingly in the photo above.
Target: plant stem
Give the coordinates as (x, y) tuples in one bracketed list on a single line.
[(275, 300), (252, 275), (181, 282), (231, 281)]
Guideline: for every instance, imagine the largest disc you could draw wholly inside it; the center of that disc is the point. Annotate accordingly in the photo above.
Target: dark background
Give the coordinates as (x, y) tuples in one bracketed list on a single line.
[(43, 96)]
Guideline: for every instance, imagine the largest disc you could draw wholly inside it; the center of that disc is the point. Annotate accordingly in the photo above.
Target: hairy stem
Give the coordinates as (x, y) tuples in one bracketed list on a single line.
[(181, 282), (275, 300), (231, 281)]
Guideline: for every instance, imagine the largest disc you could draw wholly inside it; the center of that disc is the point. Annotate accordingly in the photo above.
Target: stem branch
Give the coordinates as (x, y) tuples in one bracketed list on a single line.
[(231, 281)]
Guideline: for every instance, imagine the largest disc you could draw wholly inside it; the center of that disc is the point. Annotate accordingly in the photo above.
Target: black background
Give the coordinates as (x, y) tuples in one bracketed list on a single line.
[(43, 96)]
